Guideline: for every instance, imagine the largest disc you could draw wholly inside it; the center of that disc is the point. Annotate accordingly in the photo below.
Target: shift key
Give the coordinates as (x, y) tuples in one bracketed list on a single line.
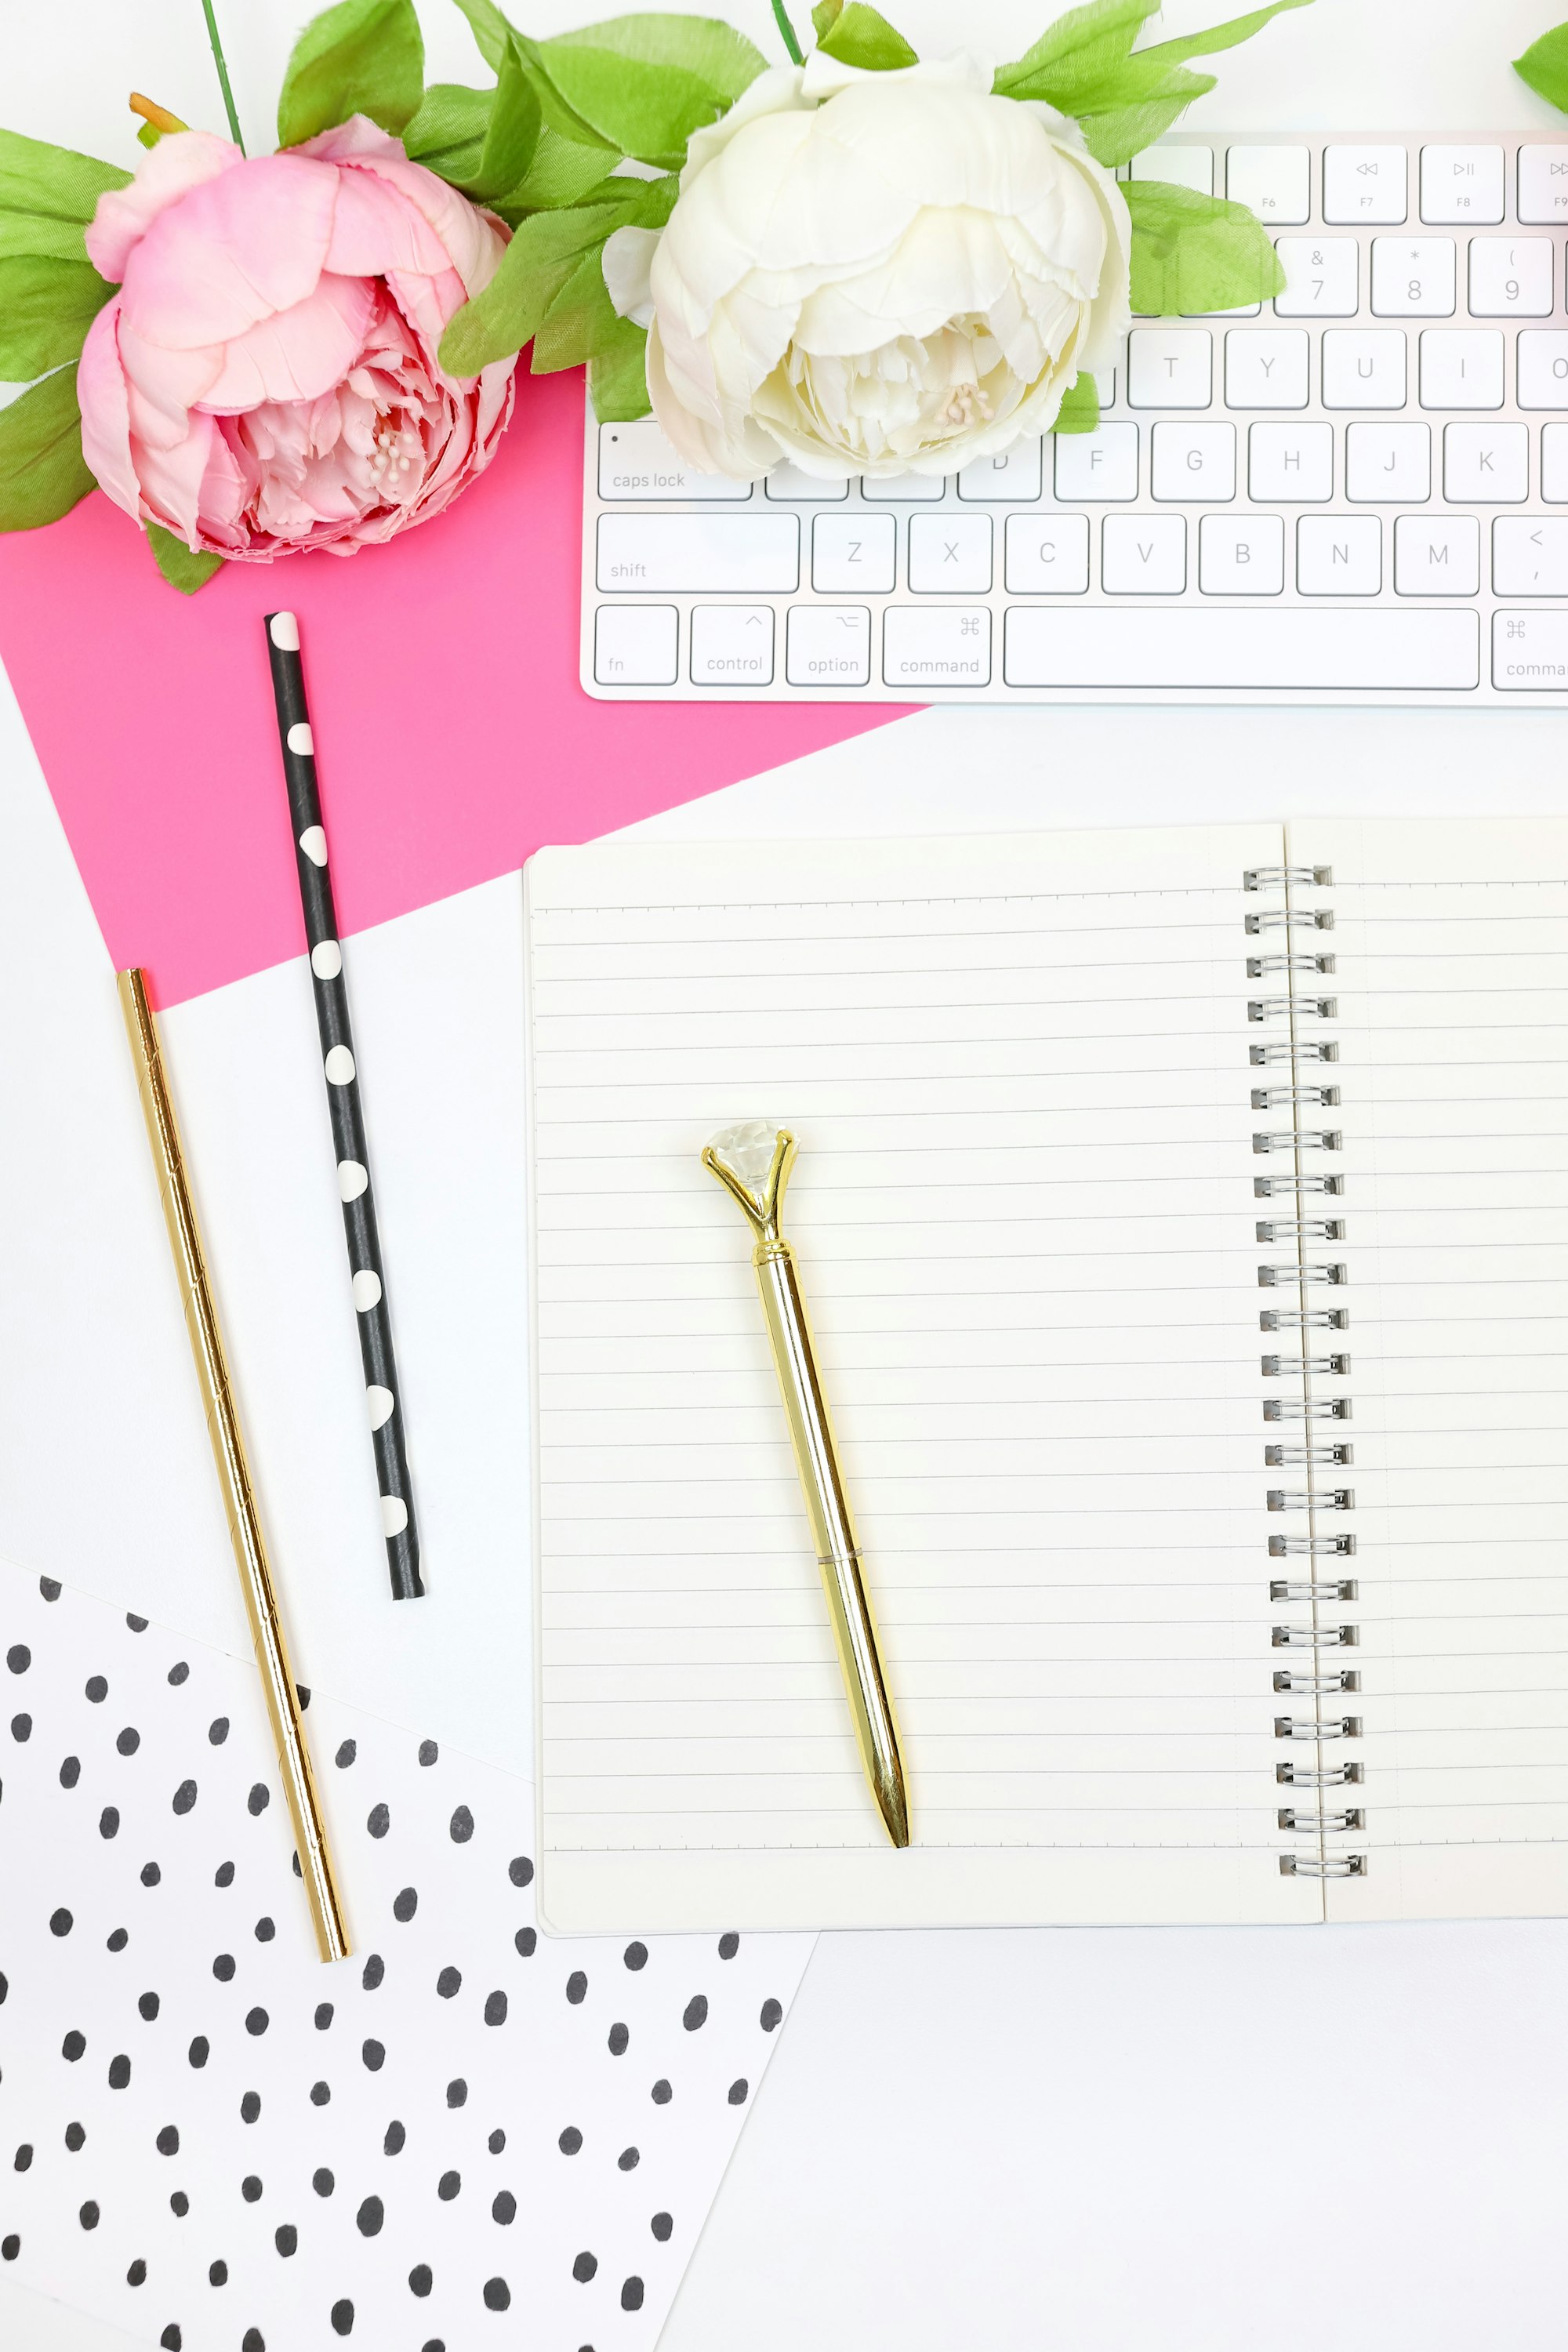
[(714, 554)]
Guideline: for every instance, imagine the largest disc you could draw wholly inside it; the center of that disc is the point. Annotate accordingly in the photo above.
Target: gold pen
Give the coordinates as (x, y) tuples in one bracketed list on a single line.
[(753, 1161), (234, 1474)]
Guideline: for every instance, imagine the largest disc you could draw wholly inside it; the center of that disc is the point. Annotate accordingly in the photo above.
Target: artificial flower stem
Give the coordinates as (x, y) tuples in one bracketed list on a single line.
[(158, 116), (223, 75), (797, 56)]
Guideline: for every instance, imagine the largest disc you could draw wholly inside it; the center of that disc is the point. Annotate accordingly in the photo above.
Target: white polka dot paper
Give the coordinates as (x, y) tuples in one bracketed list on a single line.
[(468, 2133)]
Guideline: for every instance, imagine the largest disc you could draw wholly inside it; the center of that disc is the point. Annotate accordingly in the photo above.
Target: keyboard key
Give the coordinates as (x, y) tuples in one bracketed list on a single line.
[(1544, 184), (1555, 464), (1170, 367), (1388, 465), (932, 645), (1293, 463), (1015, 476), (1193, 462), (733, 645), (1241, 555), (950, 554), (1511, 277), (638, 464), (1530, 652), (1183, 167), (1413, 276), (827, 645), (1365, 183), (1543, 361), (1098, 465), (1143, 555), (786, 482), (1048, 554), (1339, 555), (1436, 555), (635, 645), (1266, 367), (906, 489), (1461, 368), (1322, 277), (751, 554), (1486, 465), (1530, 555), (1403, 648), (1461, 184), (853, 554), (1363, 368), (1273, 182)]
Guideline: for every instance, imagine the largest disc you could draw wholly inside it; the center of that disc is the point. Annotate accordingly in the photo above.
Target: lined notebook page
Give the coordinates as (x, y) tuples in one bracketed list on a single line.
[(1017, 1071), (1451, 947)]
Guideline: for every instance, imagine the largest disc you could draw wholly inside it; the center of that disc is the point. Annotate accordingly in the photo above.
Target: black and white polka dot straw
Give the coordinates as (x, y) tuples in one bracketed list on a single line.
[(367, 1288)]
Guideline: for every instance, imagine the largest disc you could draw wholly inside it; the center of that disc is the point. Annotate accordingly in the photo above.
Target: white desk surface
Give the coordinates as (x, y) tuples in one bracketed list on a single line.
[(1031, 2142)]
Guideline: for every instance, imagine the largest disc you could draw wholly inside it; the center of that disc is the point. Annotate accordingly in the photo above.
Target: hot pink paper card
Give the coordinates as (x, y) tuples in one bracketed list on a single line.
[(453, 736)]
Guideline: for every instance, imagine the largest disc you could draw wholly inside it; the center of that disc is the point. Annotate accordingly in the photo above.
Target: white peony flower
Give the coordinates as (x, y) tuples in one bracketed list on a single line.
[(875, 273)]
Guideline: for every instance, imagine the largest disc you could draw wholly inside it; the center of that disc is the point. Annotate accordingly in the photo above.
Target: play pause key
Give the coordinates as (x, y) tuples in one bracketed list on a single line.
[(733, 645)]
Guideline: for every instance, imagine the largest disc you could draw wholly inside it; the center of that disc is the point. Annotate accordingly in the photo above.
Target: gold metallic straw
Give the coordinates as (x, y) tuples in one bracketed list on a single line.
[(234, 1472), (753, 1161)]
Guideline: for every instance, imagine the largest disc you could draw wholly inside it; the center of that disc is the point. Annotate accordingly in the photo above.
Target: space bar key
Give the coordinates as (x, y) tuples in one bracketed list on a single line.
[(1288, 647)]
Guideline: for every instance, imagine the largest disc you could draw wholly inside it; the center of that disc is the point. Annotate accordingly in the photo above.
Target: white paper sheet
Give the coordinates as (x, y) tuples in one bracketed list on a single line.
[(1025, 1216), (212, 2140)]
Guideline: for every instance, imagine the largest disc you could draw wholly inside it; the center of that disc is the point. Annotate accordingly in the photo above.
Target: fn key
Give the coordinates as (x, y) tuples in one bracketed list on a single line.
[(635, 645)]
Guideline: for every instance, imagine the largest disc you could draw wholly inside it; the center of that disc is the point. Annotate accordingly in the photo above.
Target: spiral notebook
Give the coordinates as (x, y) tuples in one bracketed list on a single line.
[(1181, 1214)]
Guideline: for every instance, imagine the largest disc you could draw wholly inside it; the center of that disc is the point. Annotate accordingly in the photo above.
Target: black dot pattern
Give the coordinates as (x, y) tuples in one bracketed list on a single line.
[(471, 2119)]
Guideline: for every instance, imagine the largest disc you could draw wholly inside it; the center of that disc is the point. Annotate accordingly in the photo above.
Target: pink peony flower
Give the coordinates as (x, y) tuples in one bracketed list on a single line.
[(266, 378)]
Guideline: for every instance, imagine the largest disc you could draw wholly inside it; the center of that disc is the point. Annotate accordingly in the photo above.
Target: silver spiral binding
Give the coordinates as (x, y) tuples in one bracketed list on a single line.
[(1293, 1051), (1283, 878), (1274, 1098), (1309, 1395), (1287, 919), (1259, 967)]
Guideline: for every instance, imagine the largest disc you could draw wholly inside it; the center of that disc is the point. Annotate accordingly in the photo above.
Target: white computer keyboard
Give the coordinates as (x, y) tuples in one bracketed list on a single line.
[(1359, 496)]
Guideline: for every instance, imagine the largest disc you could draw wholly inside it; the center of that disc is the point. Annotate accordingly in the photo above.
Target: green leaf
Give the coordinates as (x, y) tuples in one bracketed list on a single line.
[(180, 568), (824, 16), (536, 265), (448, 134), (514, 132), (1078, 53), (1125, 99), (490, 30), (364, 57), (581, 320), (42, 473), (1194, 253), (481, 140), (47, 196), (45, 309), (1544, 66), (561, 173), (618, 376), (1079, 411), (53, 183), (1228, 35), (859, 36), (1116, 136), (644, 83)]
